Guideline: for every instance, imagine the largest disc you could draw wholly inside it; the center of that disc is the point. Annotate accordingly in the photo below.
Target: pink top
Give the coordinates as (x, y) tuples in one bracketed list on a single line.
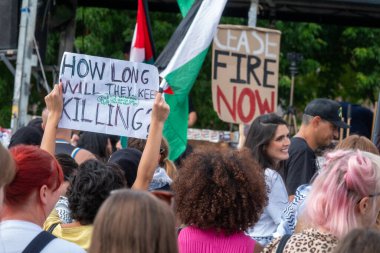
[(195, 240)]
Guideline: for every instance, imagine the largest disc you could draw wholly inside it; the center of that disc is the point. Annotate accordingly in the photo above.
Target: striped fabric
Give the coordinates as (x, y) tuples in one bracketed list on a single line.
[(290, 214)]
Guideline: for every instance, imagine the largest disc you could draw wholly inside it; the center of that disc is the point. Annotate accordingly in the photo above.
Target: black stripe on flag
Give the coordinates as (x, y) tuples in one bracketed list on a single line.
[(167, 54), (146, 9)]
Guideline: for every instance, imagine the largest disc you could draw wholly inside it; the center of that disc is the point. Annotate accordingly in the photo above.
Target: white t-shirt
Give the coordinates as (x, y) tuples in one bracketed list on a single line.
[(15, 235), (277, 202)]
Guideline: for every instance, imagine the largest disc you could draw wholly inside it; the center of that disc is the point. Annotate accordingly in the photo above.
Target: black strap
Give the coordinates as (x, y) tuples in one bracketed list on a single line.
[(52, 227), (179, 230), (39, 242), (282, 243)]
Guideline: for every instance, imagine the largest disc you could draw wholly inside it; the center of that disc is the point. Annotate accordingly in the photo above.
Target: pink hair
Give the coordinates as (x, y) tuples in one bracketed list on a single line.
[(347, 177)]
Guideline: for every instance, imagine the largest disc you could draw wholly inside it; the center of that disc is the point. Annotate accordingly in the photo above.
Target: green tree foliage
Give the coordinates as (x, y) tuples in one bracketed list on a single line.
[(103, 32), (337, 61), (6, 95)]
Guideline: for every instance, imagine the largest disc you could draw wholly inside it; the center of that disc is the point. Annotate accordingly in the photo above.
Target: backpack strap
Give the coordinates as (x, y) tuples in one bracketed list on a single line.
[(282, 243), (52, 227), (39, 242)]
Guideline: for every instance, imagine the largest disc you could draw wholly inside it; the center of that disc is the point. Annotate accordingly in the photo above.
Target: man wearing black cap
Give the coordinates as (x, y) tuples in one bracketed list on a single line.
[(320, 125)]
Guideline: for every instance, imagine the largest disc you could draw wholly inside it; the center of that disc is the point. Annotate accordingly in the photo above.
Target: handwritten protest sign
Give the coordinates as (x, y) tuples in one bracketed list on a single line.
[(106, 95), (244, 72)]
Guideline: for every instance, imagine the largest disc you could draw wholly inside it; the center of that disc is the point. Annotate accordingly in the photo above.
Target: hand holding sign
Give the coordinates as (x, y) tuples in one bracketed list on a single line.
[(106, 95), (54, 104), (160, 109), (147, 165)]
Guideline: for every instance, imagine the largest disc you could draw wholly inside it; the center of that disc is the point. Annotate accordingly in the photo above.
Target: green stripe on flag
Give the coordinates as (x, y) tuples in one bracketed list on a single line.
[(175, 128), (182, 79), (184, 6), (181, 61)]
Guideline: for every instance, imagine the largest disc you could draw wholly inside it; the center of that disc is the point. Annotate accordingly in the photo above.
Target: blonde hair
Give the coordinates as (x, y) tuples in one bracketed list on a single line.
[(168, 165), (358, 142), (7, 167), (134, 221)]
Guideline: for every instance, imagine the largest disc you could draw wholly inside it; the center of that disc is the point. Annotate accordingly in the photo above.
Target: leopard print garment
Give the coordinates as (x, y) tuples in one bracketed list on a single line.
[(309, 241)]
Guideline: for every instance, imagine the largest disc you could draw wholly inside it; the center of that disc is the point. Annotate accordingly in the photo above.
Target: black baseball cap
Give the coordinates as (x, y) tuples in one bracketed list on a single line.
[(128, 159), (26, 135), (327, 109)]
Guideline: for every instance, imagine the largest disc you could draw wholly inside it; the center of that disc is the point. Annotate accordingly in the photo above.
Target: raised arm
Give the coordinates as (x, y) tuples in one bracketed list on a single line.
[(148, 163), (54, 105)]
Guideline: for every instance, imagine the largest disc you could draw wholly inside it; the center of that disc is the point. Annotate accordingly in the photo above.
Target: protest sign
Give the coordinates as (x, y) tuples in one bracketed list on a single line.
[(106, 95), (244, 72)]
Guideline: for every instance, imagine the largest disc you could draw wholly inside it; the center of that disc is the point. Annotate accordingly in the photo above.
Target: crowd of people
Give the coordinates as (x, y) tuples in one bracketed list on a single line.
[(66, 191)]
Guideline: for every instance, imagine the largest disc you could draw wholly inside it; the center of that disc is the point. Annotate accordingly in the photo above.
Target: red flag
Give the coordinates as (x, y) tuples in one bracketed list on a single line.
[(142, 48)]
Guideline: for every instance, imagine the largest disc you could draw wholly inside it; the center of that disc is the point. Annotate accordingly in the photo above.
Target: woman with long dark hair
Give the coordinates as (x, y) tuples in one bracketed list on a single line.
[(268, 140)]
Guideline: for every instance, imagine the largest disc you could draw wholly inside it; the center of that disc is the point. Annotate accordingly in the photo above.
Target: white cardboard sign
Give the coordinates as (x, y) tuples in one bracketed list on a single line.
[(107, 95)]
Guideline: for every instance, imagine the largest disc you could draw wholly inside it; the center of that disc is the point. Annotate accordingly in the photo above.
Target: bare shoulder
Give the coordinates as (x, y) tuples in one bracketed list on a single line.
[(83, 155)]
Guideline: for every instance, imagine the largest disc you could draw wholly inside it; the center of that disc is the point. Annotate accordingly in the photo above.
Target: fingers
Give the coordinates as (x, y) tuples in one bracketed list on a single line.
[(53, 100), (60, 87), (160, 108), (158, 97)]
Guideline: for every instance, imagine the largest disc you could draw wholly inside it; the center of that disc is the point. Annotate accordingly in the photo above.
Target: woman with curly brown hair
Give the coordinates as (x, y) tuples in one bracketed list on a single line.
[(218, 195)]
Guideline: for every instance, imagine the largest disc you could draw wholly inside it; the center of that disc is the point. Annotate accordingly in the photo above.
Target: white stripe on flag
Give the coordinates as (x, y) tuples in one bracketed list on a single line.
[(136, 54), (199, 36)]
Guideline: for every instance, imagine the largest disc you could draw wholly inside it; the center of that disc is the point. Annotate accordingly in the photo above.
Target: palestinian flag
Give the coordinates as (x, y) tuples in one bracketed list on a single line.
[(185, 6), (180, 62), (142, 47)]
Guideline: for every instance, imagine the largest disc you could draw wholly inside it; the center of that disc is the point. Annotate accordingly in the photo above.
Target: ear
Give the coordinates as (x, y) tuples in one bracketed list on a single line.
[(377, 224), (363, 205), (315, 121), (43, 194)]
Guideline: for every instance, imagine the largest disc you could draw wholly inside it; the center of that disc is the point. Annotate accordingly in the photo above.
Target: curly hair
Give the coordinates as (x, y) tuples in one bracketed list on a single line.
[(90, 187), (68, 164), (224, 190)]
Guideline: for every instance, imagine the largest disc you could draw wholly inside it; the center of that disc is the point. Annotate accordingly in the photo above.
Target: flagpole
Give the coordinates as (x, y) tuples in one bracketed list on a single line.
[(252, 18), (162, 85)]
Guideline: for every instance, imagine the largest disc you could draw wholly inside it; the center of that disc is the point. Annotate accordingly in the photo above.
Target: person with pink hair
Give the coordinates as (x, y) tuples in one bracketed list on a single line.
[(344, 196)]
